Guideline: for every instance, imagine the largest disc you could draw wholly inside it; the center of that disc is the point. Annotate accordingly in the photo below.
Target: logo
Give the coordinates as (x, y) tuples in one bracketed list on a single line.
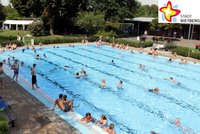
[(169, 12)]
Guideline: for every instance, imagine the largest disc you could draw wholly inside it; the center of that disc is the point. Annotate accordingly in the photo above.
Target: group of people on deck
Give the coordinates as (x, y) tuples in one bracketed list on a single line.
[(11, 46), (120, 46), (67, 105)]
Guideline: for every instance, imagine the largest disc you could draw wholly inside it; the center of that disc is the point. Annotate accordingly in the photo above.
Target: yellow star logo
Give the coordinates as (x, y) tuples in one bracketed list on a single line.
[(169, 12)]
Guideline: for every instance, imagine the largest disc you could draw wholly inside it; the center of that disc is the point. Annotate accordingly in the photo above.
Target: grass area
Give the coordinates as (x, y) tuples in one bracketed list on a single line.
[(7, 35), (10, 36)]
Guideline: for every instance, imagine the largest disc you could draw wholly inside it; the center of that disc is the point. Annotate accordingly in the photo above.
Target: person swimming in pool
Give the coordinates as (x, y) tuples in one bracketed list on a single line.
[(37, 56), (87, 118), (119, 86), (184, 129), (1, 74), (155, 90), (171, 79), (141, 66), (113, 62), (110, 129), (102, 121), (103, 83)]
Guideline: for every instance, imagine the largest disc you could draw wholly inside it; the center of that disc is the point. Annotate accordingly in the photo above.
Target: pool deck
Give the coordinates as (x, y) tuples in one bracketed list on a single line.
[(32, 116)]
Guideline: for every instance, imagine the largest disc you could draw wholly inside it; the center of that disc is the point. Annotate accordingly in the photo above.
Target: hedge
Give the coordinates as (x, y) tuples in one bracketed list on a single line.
[(183, 51), (132, 43), (4, 127), (55, 40)]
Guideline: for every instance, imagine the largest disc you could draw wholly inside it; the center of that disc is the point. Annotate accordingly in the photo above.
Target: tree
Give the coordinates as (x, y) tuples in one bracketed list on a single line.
[(115, 10), (36, 28), (28, 8), (11, 13), (90, 21), (147, 11), (2, 12)]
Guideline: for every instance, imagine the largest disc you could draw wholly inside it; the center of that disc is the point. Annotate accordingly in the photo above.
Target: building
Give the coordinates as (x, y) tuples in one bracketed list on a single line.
[(142, 24), (16, 24)]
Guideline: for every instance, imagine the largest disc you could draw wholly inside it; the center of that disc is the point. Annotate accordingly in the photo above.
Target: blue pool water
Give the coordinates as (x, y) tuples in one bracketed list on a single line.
[(132, 109)]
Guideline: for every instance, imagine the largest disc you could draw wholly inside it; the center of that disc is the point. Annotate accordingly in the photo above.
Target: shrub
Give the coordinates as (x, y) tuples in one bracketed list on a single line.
[(132, 43), (36, 28), (106, 34), (54, 40), (170, 46), (183, 51), (4, 43), (4, 127)]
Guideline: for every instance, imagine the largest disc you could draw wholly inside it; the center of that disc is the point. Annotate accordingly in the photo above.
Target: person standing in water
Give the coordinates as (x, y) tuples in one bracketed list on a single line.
[(15, 67), (1, 75), (34, 78)]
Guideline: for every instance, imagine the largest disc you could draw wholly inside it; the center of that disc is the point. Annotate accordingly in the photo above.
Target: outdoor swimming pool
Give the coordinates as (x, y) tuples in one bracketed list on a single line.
[(132, 109)]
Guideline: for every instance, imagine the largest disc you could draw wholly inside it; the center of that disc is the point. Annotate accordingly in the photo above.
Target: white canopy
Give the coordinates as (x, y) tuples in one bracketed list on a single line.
[(18, 22), (7, 24)]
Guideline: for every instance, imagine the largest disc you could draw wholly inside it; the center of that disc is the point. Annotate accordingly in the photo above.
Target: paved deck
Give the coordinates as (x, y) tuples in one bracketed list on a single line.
[(32, 116)]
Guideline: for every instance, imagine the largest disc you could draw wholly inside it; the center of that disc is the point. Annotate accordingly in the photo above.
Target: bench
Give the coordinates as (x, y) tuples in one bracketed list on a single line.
[(5, 110)]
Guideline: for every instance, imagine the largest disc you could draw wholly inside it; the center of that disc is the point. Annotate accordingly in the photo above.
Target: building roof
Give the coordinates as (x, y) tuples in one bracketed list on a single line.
[(18, 22), (140, 19)]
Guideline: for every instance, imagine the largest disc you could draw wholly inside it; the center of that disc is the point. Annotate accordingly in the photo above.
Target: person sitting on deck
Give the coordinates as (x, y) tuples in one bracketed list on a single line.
[(87, 118), (68, 104), (59, 103), (174, 55), (64, 104), (110, 129), (102, 121)]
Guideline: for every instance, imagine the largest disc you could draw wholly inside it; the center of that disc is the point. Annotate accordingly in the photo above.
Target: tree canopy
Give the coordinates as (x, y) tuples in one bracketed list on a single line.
[(147, 11), (2, 12)]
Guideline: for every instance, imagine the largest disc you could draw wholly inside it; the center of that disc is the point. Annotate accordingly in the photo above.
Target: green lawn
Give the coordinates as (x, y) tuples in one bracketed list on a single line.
[(10, 36), (7, 35)]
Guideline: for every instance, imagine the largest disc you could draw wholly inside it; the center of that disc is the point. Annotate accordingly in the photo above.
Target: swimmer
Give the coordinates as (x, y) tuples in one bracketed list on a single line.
[(77, 75), (155, 90), (37, 56), (103, 83), (170, 60), (153, 132), (87, 118), (184, 129), (23, 50), (113, 62), (22, 63), (119, 86), (110, 129), (9, 63), (132, 51), (44, 55), (171, 79), (141, 66)]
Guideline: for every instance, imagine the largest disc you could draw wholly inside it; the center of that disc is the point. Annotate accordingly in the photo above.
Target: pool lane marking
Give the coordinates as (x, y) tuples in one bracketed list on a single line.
[(171, 99), (194, 92), (142, 58), (130, 62), (125, 128)]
